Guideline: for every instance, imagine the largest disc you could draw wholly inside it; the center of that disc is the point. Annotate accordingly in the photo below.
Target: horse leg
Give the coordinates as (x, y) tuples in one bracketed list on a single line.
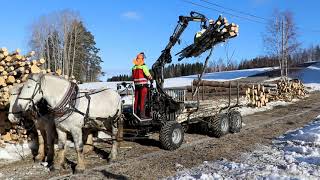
[(50, 146), (88, 146), (62, 138), (41, 141), (78, 144), (114, 149)]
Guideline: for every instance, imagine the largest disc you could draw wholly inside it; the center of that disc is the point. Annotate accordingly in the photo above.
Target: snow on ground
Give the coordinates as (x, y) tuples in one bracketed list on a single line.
[(14, 152), (216, 76), (294, 155), (310, 76), (186, 80), (245, 110)]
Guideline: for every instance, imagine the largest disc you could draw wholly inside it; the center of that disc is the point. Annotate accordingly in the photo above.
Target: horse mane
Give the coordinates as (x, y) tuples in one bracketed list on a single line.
[(55, 77)]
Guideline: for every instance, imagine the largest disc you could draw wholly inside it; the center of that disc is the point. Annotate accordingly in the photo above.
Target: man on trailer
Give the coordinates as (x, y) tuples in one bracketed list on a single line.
[(140, 76)]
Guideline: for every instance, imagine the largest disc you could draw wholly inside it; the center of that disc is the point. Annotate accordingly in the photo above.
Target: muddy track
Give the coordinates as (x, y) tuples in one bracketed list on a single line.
[(145, 160)]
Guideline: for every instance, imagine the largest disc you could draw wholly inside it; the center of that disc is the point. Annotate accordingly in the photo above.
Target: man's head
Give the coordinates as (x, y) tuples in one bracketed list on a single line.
[(139, 60)]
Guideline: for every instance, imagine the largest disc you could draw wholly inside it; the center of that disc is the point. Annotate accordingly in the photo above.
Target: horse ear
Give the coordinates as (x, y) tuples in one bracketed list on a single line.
[(15, 88)]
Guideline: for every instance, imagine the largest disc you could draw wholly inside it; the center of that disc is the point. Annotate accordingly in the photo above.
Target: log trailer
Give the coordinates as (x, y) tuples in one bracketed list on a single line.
[(170, 113)]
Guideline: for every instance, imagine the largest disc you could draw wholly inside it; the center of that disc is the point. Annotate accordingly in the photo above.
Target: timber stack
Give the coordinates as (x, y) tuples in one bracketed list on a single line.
[(259, 95), (223, 87), (15, 68), (287, 90)]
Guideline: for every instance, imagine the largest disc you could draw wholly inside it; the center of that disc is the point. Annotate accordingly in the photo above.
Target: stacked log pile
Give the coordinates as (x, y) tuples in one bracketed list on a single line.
[(259, 95), (14, 135), (219, 87), (287, 90), (223, 87), (15, 68)]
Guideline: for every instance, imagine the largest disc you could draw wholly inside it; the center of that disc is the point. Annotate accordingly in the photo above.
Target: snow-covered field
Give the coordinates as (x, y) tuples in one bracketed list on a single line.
[(295, 155), (186, 80), (216, 76), (310, 76), (14, 152)]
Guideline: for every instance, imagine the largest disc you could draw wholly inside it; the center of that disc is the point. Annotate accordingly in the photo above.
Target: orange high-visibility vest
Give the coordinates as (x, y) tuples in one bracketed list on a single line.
[(140, 74)]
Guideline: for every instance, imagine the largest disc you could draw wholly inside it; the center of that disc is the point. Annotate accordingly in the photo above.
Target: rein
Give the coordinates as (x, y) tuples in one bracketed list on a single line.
[(35, 91)]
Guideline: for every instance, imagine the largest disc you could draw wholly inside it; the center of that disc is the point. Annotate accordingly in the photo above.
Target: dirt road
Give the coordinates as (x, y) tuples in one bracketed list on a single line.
[(145, 160)]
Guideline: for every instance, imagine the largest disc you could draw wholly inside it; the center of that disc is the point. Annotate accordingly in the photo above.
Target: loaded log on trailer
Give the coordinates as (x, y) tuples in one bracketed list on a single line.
[(169, 111)]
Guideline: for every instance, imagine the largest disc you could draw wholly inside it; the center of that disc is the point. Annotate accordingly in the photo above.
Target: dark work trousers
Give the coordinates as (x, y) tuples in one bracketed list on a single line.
[(140, 95)]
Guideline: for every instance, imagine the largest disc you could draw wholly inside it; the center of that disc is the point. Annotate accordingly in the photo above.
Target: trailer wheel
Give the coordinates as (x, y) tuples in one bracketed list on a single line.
[(219, 125), (235, 121), (171, 135)]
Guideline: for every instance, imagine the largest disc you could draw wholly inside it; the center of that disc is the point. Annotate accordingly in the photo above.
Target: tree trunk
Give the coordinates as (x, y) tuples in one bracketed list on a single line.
[(74, 49)]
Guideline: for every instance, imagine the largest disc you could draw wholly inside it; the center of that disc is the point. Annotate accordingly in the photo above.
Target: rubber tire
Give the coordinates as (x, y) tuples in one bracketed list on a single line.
[(215, 125), (235, 126), (165, 135)]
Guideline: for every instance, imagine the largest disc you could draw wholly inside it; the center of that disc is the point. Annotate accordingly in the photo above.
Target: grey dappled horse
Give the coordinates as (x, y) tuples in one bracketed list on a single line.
[(72, 109), (45, 128)]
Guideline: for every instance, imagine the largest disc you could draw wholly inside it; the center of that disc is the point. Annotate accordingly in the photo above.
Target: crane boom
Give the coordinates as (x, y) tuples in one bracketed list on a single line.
[(165, 56)]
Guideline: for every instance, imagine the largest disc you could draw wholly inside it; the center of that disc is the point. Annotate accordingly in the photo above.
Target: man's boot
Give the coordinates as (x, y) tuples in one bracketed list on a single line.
[(143, 115)]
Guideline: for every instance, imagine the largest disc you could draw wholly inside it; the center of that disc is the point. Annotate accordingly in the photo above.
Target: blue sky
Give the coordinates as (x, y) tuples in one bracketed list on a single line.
[(122, 28)]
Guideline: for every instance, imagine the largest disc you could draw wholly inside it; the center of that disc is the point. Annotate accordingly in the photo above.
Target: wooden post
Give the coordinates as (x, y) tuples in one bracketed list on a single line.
[(229, 94), (192, 91), (237, 92), (202, 92)]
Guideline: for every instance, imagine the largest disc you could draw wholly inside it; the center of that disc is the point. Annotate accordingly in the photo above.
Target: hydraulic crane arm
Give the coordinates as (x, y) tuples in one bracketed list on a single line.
[(217, 31), (165, 56)]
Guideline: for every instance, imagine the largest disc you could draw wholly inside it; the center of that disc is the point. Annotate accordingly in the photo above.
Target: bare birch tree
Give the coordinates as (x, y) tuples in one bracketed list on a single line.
[(62, 39), (280, 39)]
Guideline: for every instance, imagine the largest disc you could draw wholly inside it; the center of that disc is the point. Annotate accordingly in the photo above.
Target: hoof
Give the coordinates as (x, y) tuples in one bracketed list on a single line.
[(50, 166), (79, 169), (112, 158), (87, 149), (39, 158)]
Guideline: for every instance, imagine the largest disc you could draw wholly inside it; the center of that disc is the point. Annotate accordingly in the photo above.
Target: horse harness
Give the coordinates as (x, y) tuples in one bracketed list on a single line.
[(68, 103), (67, 106)]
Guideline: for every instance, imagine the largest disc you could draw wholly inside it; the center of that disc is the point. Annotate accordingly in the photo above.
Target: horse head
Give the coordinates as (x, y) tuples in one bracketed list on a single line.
[(31, 93), (14, 110)]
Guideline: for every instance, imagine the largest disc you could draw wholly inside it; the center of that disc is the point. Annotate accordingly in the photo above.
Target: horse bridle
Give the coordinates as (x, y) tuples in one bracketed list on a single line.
[(35, 91), (17, 112)]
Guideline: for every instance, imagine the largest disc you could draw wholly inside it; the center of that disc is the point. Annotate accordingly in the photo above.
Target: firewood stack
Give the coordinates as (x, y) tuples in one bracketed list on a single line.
[(15, 135), (15, 68), (287, 90), (259, 95)]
